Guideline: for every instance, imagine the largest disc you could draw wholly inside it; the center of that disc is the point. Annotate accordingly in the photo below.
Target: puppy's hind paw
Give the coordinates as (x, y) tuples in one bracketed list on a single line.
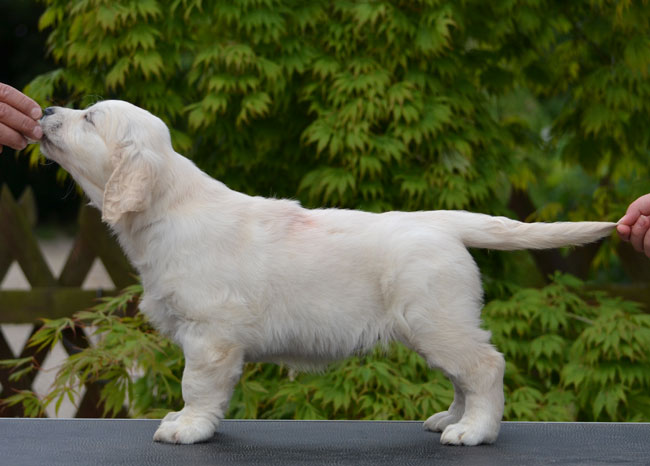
[(439, 421)]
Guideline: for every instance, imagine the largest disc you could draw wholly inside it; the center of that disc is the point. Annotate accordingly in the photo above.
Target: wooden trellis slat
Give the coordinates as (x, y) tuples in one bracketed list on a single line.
[(27, 205), (27, 306), (20, 242)]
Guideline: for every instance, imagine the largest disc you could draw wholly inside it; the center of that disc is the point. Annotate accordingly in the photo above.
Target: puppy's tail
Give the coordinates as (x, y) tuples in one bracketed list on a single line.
[(485, 231)]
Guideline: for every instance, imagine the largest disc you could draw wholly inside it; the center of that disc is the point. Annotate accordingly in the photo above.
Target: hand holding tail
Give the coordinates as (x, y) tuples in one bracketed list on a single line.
[(635, 225)]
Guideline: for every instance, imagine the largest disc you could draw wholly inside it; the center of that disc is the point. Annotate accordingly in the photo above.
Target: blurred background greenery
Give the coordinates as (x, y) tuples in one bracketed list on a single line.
[(535, 109), (25, 56)]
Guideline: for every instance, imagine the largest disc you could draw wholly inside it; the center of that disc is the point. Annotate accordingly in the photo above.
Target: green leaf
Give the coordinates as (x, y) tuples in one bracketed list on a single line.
[(637, 53), (117, 75)]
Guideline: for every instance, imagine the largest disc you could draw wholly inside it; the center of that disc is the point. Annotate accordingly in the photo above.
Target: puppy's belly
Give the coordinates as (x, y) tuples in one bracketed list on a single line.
[(296, 362), (314, 347)]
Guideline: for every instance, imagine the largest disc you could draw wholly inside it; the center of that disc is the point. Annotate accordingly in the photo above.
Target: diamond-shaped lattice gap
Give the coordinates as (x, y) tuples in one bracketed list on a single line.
[(45, 378), (56, 251), (98, 277), (16, 336), (15, 279)]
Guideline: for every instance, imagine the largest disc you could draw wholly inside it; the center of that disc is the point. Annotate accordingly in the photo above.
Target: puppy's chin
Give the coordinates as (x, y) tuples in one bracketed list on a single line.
[(49, 148)]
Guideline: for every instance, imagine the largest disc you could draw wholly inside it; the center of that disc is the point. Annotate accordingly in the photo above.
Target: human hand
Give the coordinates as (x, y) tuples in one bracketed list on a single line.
[(634, 225), (18, 118)]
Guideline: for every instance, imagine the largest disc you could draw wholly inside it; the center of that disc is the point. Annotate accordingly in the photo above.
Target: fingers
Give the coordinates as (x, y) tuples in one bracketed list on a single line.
[(11, 138), (639, 236), (635, 225), (18, 118), (20, 101), (19, 123)]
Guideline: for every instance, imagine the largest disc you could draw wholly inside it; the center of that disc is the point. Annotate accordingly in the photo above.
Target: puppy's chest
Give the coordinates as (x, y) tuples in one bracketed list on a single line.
[(161, 314), (172, 302)]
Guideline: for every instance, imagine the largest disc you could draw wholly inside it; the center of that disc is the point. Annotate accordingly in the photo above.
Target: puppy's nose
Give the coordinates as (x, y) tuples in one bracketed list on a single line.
[(48, 111)]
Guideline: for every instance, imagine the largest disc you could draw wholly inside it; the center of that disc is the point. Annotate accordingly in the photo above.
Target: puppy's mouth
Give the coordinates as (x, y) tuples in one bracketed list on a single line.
[(46, 141)]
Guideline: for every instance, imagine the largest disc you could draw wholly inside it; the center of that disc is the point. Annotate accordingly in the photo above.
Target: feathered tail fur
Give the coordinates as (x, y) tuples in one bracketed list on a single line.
[(485, 231)]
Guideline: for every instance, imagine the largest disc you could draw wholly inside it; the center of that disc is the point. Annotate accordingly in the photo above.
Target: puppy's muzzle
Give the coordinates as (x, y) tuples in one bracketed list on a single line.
[(49, 127)]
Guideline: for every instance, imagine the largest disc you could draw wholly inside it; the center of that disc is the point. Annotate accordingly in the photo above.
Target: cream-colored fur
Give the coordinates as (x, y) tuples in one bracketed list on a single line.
[(233, 278)]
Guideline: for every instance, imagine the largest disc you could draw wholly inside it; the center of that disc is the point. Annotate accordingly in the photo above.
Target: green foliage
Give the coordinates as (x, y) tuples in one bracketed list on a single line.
[(569, 357), (358, 388), (572, 355), (377, 105)]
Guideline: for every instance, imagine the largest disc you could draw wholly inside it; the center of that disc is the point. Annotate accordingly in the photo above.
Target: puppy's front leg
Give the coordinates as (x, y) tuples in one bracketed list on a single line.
[(211, 372)]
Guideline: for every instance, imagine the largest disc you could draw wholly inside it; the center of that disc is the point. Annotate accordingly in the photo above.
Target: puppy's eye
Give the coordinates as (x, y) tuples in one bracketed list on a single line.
[(88, 118)]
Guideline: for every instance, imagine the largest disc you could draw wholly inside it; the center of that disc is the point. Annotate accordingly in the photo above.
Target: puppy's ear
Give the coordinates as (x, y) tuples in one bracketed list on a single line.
[(129, 188)]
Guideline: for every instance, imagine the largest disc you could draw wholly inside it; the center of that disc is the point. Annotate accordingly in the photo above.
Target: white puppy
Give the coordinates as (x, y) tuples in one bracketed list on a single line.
[(233, 278)]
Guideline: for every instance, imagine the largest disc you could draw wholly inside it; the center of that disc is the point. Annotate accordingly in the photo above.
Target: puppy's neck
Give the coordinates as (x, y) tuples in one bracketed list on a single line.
[(179, 185)]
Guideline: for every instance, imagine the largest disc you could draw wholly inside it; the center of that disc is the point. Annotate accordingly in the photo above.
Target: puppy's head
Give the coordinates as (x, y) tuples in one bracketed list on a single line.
[(112, 149)]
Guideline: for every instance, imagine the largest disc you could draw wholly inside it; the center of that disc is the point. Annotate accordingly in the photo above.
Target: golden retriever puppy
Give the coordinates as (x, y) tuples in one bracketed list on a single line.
[(234, 278)]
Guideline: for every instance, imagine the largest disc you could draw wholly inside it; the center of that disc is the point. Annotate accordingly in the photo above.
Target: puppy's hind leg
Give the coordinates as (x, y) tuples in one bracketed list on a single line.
[(464, 354), (210, 374), (482, 385)]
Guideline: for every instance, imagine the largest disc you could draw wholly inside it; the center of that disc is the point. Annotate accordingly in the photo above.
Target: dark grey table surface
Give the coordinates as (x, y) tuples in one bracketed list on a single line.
[(121, 442)]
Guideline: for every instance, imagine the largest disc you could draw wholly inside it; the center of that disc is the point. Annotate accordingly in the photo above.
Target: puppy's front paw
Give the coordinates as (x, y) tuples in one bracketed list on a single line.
[(184, 428), (439, 421), (464, 433)]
